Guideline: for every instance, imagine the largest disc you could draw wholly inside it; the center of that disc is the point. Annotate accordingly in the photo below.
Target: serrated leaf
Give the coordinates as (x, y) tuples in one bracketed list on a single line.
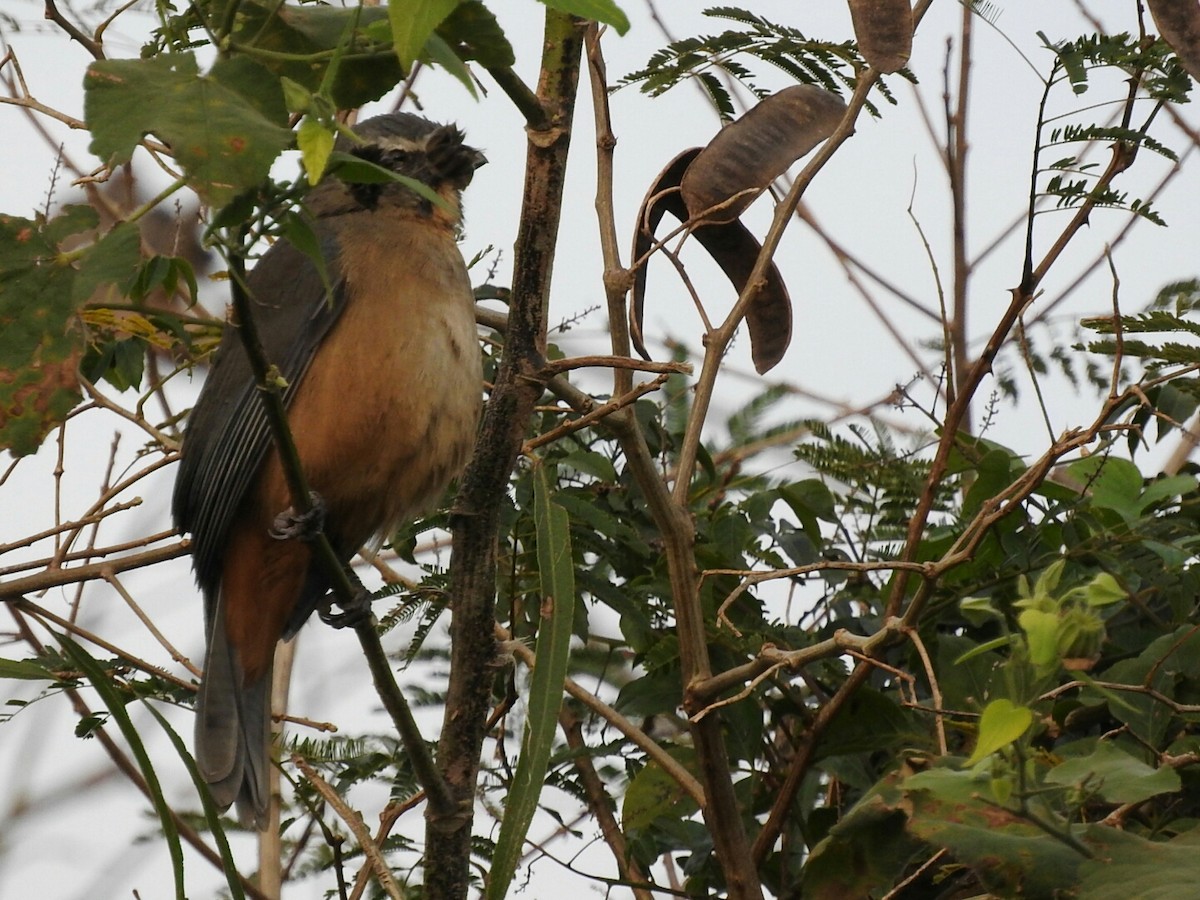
[(224, 144), (1002, 723)]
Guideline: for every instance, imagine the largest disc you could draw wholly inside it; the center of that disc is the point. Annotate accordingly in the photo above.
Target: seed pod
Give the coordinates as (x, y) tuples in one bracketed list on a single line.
[(884, 29), (746, 156), (1179, 23), (733, 247)]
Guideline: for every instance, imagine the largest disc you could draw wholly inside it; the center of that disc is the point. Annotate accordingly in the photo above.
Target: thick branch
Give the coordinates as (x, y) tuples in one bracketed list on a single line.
[(517, 389)]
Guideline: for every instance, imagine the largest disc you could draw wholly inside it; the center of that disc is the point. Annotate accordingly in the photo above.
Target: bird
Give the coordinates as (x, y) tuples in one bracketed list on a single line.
[(377, 345)]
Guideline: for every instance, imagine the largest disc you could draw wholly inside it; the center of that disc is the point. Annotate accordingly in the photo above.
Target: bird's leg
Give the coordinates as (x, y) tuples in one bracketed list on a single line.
[(354, 611), (290, 525)]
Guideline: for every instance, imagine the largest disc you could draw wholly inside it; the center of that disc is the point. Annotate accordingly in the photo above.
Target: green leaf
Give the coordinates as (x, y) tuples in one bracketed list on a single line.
[(1002, 723), (440, 53), (1041, 631), (40, 346), (342, 54), (223, 142), (102, 682), (316, 144), (1115, 776), (546, 685), (1167, 489), (653, 794), (1012, 857), (1103, 590), (1127, 866), (1114, 483), (603, 11), (211, 814), (412, 24), (25, 670), (473, 33), (111, 262)]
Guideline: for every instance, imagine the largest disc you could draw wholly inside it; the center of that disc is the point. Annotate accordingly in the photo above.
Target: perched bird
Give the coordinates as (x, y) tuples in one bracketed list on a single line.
[(381, 360)]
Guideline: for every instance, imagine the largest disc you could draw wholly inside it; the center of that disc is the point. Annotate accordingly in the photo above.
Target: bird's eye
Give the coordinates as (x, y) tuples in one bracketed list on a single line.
[(395, 158)]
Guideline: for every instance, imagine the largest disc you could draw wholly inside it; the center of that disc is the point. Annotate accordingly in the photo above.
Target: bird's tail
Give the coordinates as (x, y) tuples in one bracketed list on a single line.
[(233, 729)]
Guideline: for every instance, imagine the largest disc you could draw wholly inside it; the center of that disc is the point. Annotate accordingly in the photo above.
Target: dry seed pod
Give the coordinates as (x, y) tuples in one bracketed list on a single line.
[(1179, 23), (746, 156), (884, 29), (733, 248)]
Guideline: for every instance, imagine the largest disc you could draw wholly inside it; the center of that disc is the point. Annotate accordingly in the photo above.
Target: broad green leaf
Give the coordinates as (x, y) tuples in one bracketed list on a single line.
[(473, 33), (546, 685), (412, 24), (1002, 723), (1114, 483), (1011, 857), (1126, 866), (224, 143), (604, 11), (653, 793), (1166, 489), (1115, 776), (341, 53), (863, 854)]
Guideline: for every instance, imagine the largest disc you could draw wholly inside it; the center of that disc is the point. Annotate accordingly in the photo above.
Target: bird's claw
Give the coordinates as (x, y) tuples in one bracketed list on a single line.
[(353, 612), (290, 525)]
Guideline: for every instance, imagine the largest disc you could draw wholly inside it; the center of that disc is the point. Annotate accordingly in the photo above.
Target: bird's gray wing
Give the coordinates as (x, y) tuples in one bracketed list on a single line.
[(228, 434)]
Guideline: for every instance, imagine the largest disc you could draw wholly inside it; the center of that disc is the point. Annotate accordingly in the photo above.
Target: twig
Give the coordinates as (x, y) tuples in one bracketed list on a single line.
[(636, 735), (601, 804), (935, 692), (73, 31), (594, 416), (56, 577), (354, 822)]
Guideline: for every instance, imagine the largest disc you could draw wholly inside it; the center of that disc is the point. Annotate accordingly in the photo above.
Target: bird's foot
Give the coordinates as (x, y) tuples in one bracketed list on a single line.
[(353, 613), (290, 525)]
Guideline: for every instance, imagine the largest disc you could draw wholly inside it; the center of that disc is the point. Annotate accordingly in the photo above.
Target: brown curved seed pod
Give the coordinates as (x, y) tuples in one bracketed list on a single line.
[(733, 247), (746, 156), (1179, 23), (884, 29)]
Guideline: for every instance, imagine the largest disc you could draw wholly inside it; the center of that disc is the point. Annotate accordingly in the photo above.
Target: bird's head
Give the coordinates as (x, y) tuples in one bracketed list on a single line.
[(410, 146)]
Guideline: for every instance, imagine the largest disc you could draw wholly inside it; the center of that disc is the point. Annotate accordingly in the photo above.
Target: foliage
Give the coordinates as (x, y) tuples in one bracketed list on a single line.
[(788, 655)]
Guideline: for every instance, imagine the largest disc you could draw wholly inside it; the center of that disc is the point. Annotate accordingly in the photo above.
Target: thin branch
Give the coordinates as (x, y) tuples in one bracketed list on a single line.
[(354, 822)]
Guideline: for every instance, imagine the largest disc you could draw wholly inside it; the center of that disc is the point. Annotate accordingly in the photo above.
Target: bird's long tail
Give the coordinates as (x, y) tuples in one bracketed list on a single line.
[(233, 729)]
